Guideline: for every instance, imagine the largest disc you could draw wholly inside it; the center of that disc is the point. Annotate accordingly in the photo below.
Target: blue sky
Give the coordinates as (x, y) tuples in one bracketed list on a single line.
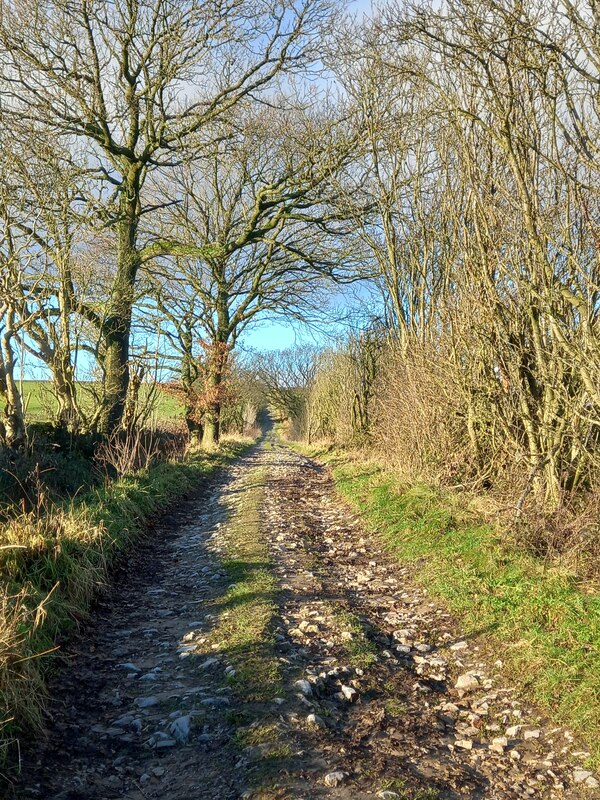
[(271, 335), (274, 334)]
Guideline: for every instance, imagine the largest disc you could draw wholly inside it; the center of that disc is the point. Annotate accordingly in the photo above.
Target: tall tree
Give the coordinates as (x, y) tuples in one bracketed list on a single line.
[(131, 85), (255, 234)]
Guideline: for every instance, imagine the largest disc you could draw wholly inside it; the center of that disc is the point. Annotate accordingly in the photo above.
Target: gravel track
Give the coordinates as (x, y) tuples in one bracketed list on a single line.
[(381, 695)]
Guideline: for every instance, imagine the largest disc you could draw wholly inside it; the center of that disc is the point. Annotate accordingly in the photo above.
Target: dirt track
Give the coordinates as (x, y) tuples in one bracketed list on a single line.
[(381, 696)]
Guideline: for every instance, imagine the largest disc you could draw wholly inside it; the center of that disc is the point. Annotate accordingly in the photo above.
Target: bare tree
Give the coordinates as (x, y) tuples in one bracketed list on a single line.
[(14, 263), (128, 86), (475, 189), (286, 378), (255, 234)]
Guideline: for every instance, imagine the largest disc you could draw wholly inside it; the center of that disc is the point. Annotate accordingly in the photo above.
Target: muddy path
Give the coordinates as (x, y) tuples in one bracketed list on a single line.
[(377, 693)]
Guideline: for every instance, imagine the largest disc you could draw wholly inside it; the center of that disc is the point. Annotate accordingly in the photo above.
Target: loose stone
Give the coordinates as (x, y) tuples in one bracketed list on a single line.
[(350, 694), (531, 734), (304, 686), (180, 728), (586, 777), (467, 682), (464, 744), (336, 778), (146, 702)]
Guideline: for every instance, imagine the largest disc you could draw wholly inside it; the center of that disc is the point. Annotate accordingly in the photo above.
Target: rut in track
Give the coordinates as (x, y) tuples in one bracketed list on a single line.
[(366, 703)]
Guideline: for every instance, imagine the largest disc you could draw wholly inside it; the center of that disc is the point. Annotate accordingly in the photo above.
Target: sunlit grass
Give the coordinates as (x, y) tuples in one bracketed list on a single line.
[(40, 402), (547, 626), (244, 630)]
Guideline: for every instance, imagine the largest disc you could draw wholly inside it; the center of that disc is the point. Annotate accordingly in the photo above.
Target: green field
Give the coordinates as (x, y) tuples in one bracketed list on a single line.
[(40, 402)]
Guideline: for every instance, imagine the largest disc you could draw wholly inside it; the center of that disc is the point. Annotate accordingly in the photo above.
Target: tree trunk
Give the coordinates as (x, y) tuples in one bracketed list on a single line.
[(63, 381), (12, 425), (63, 373), (116, 332), (212, 427), (13, 422), (218, 366), (116, 329), (212, 415), (195, 430)]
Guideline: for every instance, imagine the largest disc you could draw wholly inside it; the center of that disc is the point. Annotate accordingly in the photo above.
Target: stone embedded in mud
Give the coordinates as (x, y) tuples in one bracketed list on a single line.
[(402, 633), (163, 744), (160, 740), (350, 694), (419, 686), (145, 702), (385, 794), (421, 647), (315, 721), (124, 722), (215, 701), (209, 663), (304, 687), (336, 778), (181, 728), (128, 666)]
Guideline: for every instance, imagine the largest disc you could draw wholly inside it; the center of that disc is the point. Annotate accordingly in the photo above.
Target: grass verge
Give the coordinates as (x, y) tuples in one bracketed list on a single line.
[(546, 624), (52, 565), (244, 629)]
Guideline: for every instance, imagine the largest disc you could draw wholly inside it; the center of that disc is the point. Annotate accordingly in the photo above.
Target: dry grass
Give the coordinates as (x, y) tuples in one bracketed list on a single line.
[(432, 421), (22, 689), (52, 563)]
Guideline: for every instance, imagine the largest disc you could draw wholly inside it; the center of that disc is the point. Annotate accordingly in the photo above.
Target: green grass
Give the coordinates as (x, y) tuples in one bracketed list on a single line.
[(51, 566), (244, 630), (545, 625), (40, 403), (398, 785), (360, 652)]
